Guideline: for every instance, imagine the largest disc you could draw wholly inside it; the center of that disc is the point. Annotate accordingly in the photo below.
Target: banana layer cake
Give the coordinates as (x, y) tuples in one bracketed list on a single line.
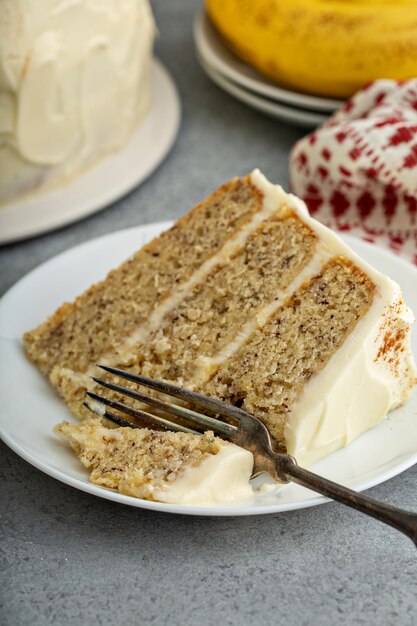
[(250, 300)]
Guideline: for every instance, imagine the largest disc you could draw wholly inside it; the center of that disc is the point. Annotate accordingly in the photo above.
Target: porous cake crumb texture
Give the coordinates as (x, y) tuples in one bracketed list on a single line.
[(79, 333)]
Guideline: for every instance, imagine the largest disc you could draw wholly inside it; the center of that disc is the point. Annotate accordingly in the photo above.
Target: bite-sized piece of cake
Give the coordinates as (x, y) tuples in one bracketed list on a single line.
[(74, 84), (171, 467), (248, 299)]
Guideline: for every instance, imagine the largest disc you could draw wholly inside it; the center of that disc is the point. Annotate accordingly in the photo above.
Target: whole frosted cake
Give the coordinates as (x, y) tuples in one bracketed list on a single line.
[(74, 83), (250, 300)]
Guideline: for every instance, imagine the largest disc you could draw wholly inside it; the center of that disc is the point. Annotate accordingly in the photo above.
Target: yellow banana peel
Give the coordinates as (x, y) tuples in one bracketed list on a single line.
[(325, 47)]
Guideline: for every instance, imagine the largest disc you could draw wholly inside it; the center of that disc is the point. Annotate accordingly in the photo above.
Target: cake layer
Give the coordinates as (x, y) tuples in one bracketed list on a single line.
[(162, 466), (78, 334)]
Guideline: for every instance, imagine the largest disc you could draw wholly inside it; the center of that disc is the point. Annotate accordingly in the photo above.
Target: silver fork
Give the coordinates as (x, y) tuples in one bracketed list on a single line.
[(246, 431)]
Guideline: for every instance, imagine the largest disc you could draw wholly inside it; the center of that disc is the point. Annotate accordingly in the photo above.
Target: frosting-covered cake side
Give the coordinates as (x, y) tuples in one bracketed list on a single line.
[(74, 83), (372, 372)]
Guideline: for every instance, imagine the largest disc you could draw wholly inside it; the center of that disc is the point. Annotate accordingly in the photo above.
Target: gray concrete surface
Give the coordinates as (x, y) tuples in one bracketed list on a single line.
[(68, 558)]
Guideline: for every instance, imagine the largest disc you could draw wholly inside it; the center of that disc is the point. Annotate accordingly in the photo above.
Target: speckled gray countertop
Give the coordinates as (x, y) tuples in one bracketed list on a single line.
[(68, 558)]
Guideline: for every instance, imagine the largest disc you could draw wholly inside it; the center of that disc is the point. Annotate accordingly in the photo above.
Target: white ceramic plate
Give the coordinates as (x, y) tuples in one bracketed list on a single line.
[(296, 116), (217, 55), (30, 408), (113, 177)]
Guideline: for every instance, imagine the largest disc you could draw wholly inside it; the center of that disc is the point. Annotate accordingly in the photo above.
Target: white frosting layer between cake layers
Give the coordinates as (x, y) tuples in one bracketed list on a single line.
[(373, 371), (74, 82), (221, 478)]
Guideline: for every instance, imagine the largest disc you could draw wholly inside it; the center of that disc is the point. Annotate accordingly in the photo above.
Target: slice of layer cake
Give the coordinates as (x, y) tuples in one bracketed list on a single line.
[(248, 299), (161, 466)]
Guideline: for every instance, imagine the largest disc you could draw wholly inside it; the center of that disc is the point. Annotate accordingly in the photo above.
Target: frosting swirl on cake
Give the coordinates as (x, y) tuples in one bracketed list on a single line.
[(74, 82)]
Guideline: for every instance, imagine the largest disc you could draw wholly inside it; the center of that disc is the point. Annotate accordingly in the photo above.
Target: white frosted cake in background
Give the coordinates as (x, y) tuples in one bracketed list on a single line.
[(74, 84)]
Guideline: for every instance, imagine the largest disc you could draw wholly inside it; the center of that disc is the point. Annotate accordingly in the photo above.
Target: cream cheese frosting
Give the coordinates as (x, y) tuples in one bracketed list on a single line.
[(219, 479), (374, 370), (74, 83)]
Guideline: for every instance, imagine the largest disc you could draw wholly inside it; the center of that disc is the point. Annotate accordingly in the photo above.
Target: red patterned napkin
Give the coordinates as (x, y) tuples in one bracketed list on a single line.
[(358, 172)]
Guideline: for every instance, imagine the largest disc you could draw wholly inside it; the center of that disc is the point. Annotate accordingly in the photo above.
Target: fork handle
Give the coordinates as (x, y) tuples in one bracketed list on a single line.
[(404, 521)]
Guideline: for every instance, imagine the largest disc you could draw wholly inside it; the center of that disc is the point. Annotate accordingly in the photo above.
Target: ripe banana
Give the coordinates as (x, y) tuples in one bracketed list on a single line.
[(325, 47)]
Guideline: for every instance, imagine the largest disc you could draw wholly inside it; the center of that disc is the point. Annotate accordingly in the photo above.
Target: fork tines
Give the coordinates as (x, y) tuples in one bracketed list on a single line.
[(151, 419), (196, 419)]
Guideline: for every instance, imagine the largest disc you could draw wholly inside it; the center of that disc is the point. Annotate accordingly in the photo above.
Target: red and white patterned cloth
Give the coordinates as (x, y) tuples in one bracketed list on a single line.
[(358, 172)]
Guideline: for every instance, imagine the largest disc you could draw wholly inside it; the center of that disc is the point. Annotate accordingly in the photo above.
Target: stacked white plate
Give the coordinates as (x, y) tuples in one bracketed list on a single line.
[(246, 84)]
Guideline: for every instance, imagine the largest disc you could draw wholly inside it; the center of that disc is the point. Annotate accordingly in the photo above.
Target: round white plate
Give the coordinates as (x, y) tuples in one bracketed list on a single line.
[(113, 177), (297, 117), (217, 55), (30, 408)]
